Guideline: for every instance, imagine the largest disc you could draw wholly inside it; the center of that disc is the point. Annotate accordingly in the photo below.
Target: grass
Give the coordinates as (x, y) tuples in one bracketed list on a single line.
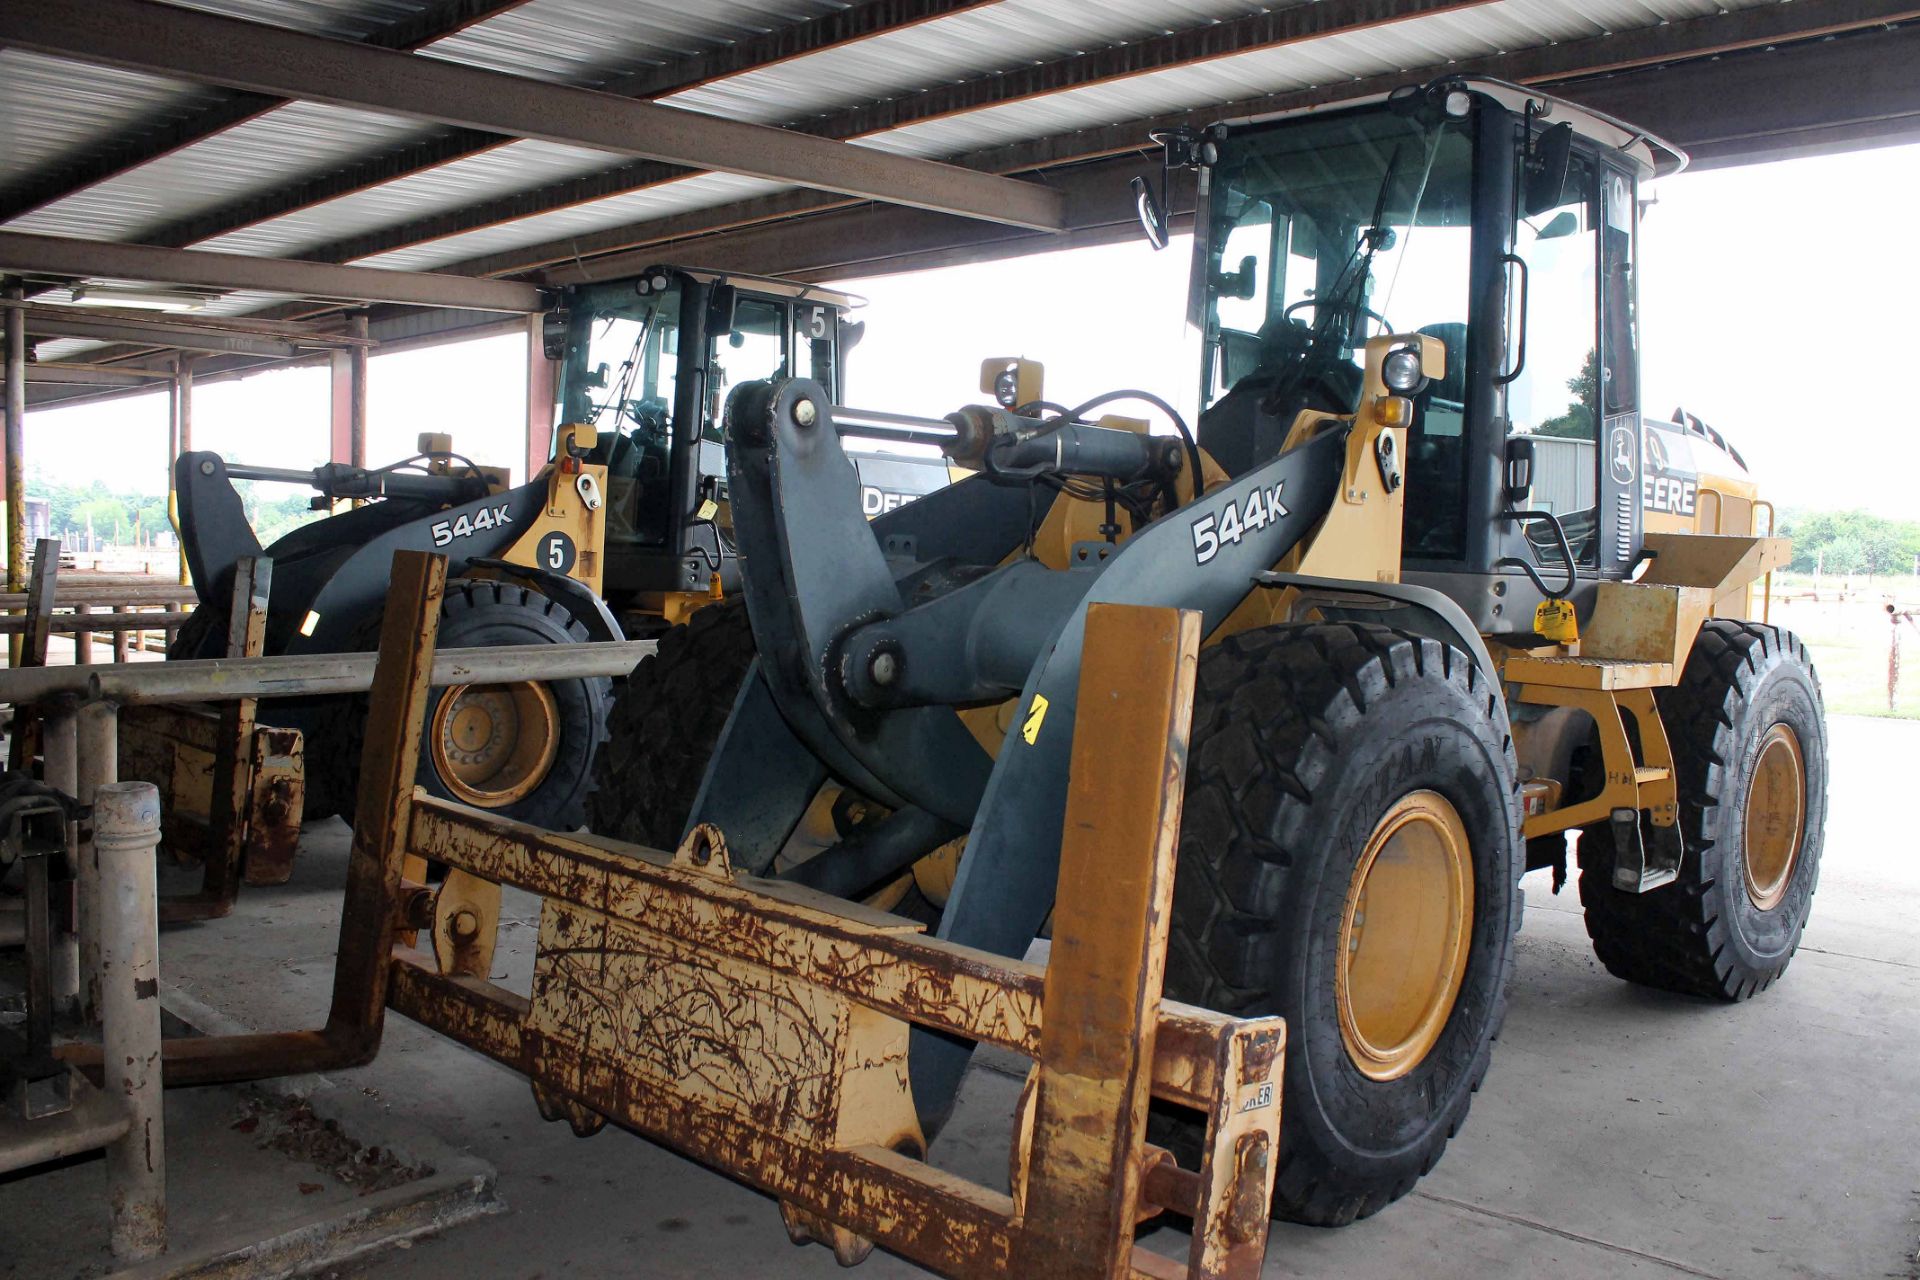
[(1845, 625)]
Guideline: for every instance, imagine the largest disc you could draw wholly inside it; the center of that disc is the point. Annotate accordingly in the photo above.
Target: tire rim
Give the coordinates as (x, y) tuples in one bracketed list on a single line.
[(1404, 936), (1776, 817), (494, 744)]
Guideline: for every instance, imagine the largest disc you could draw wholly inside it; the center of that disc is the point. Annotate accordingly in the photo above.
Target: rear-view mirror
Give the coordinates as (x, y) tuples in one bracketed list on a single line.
[(1547, 160), (1153, 214)]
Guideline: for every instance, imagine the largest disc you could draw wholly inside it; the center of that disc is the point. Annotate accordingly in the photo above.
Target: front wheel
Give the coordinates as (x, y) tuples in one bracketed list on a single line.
[(1350, 856), (1749, 736)]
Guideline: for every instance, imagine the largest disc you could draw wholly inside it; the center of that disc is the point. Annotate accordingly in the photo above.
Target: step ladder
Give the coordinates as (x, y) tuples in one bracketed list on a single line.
[(1639, 800)]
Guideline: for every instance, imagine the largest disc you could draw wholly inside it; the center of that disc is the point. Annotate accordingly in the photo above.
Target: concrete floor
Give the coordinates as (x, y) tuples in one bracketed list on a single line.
[(1621, 1132)]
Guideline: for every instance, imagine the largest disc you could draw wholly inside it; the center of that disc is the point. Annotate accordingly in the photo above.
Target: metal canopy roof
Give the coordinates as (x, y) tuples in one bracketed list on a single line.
[(166, 139)]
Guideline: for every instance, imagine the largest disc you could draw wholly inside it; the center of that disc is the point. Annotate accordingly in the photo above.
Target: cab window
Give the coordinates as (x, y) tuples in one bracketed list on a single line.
[(1555, 398), (754, 349)]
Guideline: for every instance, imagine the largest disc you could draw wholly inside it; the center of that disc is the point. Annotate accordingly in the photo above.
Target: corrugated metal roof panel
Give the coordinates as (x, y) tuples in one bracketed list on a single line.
[(593, 41), (704, 191), (516, 167), (964, 46), (345, 19), (259, 155), (51, 108)]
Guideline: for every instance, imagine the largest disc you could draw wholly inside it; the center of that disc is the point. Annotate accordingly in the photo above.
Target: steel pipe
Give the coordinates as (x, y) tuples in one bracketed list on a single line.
[(299, 675), (126, 832)]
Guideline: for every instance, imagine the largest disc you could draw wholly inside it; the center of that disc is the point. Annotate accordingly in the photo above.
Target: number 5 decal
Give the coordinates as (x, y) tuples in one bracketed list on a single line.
[(817, 323)]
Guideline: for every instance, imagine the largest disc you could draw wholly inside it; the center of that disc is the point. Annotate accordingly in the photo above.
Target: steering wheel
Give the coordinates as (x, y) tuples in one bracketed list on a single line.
[(650, 414), (1287, 314)]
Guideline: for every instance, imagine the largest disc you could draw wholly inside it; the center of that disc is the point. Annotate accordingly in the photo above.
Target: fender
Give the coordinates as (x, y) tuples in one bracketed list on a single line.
[(584, 607), (1435, 615)]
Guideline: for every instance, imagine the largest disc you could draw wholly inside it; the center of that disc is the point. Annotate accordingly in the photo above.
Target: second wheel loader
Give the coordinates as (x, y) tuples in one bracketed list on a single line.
[(1442, 632)]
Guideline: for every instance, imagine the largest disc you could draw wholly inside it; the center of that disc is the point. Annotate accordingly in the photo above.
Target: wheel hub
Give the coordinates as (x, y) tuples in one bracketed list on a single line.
[(494, 744), (1776, 817), (1404, 936)]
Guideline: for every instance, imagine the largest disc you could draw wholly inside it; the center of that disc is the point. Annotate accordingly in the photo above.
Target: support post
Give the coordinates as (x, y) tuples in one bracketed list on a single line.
[(16, 452), (24, 739), (340, 407), (539, 397), (98, 765), (126, 832), (179, 441), (357, 363), (59, 744)]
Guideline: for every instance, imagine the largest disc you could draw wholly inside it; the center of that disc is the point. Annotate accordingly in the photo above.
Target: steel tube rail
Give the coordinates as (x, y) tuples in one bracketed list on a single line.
[(126, 831), (297, 675)]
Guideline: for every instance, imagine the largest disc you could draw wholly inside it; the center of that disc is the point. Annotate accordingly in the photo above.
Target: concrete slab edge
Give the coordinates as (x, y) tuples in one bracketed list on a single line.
[(460, 1188)]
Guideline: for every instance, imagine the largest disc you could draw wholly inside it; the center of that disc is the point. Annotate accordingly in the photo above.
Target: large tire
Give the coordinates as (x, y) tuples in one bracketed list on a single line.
[(1748, 694), (665, 724), (478, 614), (1307, 741)]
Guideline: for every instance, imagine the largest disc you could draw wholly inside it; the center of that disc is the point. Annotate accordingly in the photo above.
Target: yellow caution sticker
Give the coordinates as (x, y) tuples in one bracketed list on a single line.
[(1554, 619), (1036, 713), (707, 510)]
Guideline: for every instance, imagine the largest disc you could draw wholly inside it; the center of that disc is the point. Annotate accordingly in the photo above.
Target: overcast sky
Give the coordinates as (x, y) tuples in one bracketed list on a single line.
[(1771, 296)]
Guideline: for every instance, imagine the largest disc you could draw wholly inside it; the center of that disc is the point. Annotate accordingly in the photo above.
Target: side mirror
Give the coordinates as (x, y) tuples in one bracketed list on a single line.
[(720, 308), (1153, 214), (553, 334), (1562, 224), (1547, 160), (598, 378), (1519, 470)]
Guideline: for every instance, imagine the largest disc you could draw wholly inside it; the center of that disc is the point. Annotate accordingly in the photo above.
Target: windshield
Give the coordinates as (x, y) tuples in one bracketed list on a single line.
[(621, 381), (1325, 231)]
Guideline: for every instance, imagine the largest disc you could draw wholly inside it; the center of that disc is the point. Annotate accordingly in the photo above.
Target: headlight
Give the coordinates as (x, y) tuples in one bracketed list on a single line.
[(1401, 371)]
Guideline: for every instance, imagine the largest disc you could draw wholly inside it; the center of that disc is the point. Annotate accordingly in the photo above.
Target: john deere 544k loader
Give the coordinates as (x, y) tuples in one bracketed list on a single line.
[(1440, 633)]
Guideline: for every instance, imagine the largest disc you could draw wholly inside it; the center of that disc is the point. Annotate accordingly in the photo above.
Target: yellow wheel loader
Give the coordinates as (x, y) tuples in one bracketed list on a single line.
[(1459, 601)]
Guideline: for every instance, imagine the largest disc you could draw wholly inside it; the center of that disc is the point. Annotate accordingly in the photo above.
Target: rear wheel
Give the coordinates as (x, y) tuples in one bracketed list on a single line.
[(1749, 737), (1349, 859)]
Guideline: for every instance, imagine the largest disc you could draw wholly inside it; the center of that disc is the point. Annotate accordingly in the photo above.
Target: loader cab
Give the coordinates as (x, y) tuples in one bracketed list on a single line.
[(1501, 222), (648, 362)]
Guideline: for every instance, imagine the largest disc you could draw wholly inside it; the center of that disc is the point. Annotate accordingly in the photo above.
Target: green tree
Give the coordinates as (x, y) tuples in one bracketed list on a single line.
[(1577, 422)]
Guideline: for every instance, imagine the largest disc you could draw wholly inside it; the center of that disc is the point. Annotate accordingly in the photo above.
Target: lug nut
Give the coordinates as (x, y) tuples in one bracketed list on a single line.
[(885, 669), (804, 412)]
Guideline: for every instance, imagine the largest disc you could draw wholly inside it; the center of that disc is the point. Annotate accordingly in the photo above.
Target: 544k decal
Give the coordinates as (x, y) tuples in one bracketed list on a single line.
[(445, 531), (1235, 520)]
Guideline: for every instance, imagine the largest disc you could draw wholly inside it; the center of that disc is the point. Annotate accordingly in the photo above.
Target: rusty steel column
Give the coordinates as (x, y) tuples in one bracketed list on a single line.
[(179, 441), (357, 364), (97, 756), (16, 453), (126, 833), (59, 742)]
